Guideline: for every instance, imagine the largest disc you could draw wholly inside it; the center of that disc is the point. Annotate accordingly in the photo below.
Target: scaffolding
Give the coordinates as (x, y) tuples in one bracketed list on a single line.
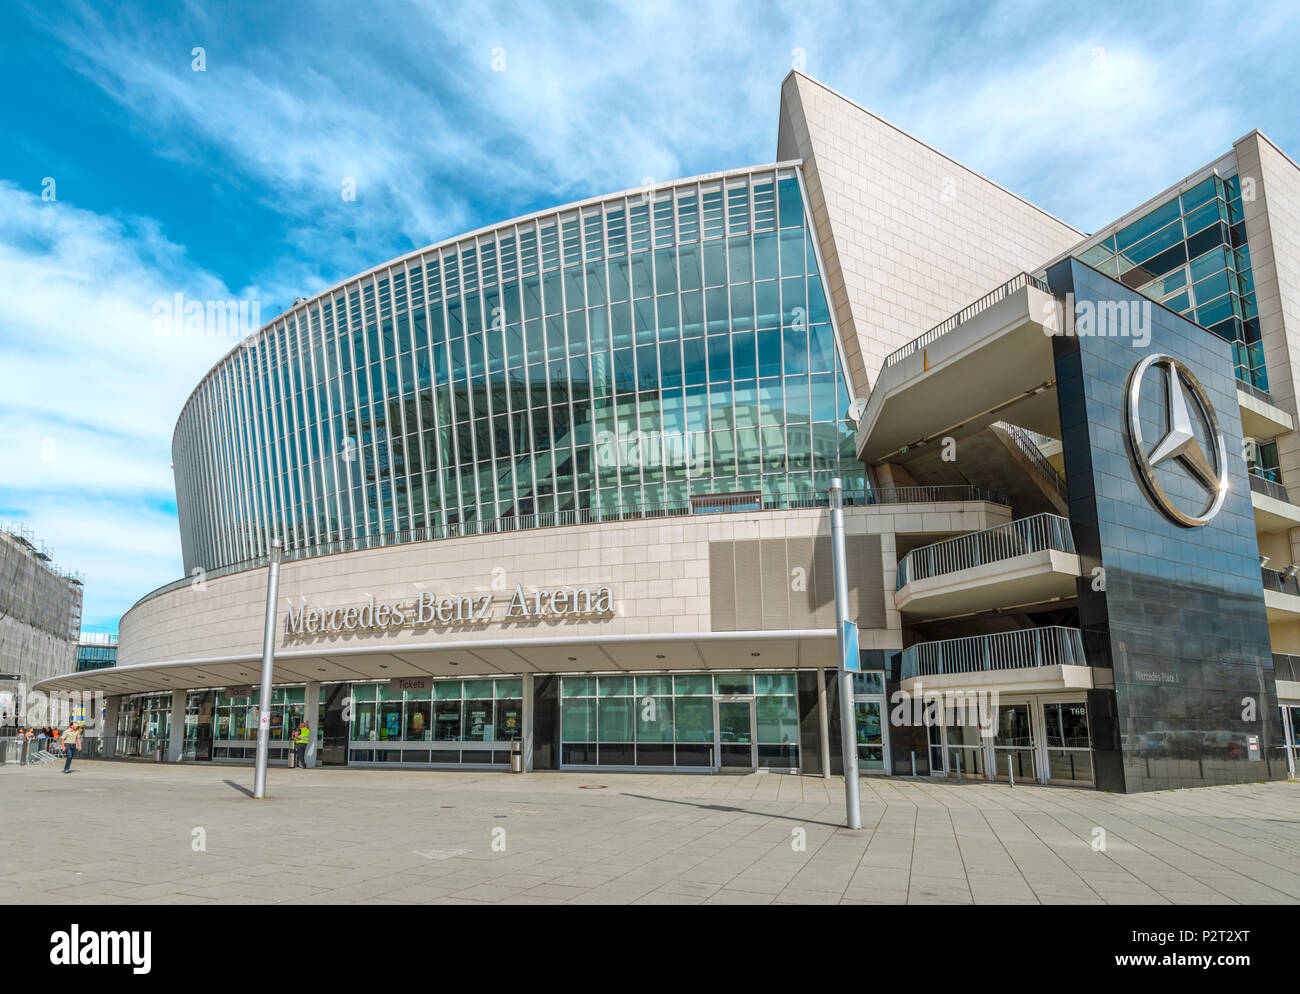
[(34, 591)]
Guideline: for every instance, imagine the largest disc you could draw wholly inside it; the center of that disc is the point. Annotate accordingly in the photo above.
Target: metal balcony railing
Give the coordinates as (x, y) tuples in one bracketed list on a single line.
[(794, 500), (965, 314), (1017, 538), (1286, 666), (1022, 649), (1279, 582), (1269, 488), (1027, 442), (1253, 390)]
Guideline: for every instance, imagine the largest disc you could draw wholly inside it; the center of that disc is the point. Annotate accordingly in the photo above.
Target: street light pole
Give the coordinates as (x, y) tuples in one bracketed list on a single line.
[(268, 658), (848, 719)]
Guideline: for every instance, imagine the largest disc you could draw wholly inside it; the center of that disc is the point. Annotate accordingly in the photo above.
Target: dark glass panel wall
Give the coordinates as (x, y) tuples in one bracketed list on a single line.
[(648, 348), (1177, 634)]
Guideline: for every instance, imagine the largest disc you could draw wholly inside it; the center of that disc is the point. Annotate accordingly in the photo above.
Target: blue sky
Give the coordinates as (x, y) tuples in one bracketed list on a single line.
[(226, 183)]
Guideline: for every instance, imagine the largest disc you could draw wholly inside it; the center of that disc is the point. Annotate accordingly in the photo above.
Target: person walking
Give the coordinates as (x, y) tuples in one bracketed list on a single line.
[(300, 740), (71, 742)]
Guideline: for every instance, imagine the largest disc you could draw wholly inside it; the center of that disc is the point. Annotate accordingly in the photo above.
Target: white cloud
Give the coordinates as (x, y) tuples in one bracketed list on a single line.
[(89, 393), (404, 99), (407, 102)]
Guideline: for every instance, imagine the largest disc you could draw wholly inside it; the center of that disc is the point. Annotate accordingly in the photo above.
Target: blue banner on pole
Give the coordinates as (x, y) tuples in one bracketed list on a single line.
[(850, 661)]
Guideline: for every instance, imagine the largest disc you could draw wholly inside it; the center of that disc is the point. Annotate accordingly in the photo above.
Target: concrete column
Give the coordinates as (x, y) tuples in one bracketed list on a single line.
[(526, 733), (311, 715), (823, 724), (176, 736), (109, 731)]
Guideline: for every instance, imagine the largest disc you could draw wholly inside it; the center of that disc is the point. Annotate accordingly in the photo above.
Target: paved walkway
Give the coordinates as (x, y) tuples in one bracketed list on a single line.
[(135, 832)]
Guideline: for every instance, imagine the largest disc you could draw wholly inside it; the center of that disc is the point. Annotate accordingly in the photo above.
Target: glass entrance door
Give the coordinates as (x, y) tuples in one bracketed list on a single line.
[(332, 736), (1069, 744), (964, 745), (1014, 744), (734, 720), (869, 715), (1291, 736), (871, 737)]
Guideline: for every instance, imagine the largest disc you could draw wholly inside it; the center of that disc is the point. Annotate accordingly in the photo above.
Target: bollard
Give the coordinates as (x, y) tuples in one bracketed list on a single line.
[(1011, 773), (913, 762), (958, 755)]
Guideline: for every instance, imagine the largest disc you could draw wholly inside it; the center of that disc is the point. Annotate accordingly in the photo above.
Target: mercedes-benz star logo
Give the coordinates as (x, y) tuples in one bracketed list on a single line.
[(1180, 442)]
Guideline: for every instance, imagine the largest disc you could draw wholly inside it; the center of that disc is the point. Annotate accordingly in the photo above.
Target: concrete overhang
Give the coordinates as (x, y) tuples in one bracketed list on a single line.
[(1026, 680), (1260, 419), (1029, 579), (1281, 607), (341, 663), (997, 365), (1273, 515)]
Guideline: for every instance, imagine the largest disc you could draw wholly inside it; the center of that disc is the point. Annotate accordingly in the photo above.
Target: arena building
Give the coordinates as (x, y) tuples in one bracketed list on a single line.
[(561, 485)]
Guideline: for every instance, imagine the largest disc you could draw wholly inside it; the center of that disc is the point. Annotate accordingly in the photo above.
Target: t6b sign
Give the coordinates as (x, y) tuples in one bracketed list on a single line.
[(430, 610)]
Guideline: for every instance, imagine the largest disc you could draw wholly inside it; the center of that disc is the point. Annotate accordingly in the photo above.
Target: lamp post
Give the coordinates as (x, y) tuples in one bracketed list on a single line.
[(848, 720), (268, 658)]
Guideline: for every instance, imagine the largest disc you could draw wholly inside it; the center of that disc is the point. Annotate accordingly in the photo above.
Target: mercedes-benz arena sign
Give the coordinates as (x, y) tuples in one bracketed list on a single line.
[(430, 610)]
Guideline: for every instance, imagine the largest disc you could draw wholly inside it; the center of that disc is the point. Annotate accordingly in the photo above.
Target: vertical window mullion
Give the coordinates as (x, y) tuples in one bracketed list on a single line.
[(439, 462), (359, 447), (306, 464), (415, 389)]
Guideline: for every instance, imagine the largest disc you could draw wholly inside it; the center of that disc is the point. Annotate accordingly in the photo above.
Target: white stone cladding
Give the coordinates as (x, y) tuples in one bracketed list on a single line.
[(1272, 218), (907, 235), (1273, 234), (658, 569)]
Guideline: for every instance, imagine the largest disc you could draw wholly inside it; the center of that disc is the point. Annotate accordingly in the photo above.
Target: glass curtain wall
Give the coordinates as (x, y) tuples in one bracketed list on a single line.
[(645, 349), (143, 724), (658, 720), (455, 722), (1190, 254), (235, 731)]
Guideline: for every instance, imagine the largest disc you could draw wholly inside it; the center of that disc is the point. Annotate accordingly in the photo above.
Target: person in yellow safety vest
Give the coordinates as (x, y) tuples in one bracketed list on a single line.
[(300, 740)]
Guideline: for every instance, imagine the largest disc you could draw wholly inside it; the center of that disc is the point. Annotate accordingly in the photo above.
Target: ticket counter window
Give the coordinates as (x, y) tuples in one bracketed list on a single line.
[(446, 721), (419, 724)]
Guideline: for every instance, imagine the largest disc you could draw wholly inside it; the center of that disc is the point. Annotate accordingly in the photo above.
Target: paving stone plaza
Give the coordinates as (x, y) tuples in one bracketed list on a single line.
[(134, 832)]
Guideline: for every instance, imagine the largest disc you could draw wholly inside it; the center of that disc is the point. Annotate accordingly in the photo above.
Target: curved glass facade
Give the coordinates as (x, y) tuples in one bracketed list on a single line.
[(645, 348)]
